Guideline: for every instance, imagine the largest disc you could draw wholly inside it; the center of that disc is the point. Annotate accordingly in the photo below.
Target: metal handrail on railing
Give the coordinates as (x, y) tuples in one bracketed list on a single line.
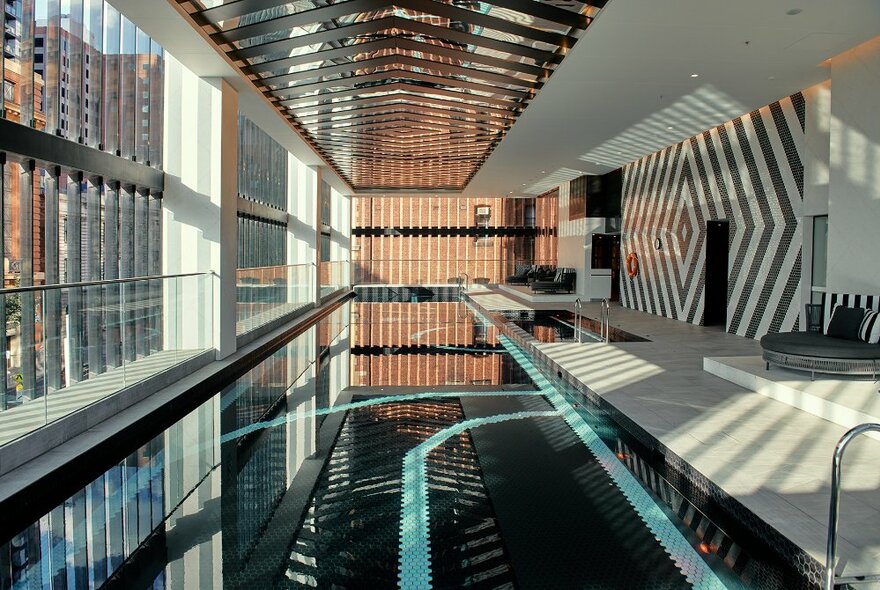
[(832, 581), (467, 280), (605, 328), (100, 283), (276, 266), (578, 312)]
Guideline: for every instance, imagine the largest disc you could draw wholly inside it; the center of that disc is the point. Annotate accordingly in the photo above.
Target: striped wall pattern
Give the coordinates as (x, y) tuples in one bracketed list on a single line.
[(748, 171)]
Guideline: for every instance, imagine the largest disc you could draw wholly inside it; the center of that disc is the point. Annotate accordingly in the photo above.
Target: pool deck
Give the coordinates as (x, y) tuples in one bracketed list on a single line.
[(772, 457)]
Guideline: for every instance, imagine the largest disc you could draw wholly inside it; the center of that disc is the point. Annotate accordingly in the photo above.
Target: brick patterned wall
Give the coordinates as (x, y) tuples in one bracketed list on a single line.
[(426, 369), (415, 258), (413, 324)]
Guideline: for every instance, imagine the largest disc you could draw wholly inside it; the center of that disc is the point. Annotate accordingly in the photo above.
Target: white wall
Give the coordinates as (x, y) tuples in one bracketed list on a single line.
[(193, 216), (575, 241), (816, 154), (854, 182), (302, 226), (191, 199)]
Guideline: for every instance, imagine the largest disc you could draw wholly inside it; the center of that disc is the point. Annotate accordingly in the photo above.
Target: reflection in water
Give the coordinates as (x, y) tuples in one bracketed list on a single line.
[(162, 516), (282, 480), (425, 344)]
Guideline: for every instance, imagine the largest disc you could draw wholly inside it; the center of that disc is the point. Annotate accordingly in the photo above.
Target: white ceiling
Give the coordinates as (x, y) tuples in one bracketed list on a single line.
[(629, 78), (626, 81)]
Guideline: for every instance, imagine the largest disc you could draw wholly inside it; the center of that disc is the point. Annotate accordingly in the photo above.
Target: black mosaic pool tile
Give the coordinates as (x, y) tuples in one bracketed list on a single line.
[(761, 557), (565, 523), (349, 536)]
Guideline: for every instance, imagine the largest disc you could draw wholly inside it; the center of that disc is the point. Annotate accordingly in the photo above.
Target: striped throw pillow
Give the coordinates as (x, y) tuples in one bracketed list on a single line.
[(869, 331)]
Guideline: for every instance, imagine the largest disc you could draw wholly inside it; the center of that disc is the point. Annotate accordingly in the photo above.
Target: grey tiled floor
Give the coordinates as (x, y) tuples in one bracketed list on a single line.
[(773, 458)]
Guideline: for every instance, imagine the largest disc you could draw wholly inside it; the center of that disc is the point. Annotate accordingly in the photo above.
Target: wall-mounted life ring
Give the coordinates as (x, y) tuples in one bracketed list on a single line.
[(632, 265)]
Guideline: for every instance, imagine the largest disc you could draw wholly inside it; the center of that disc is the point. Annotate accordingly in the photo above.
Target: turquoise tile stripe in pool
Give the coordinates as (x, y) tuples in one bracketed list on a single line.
[(685, 557), (414, 563), (387, 399), (414, 569)]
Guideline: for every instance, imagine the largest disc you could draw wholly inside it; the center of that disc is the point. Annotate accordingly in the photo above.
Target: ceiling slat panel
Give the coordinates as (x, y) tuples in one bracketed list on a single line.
[(409, 95)]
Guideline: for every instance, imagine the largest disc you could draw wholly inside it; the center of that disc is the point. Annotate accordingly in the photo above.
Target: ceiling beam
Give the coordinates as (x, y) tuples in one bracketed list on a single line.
[(409, 98), (404, 108), (396, 59), (300, 90), (401, 43), (405, 114), (399, 86)]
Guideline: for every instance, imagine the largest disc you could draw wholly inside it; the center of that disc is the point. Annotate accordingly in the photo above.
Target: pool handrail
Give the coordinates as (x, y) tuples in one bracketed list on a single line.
[(832, 581)]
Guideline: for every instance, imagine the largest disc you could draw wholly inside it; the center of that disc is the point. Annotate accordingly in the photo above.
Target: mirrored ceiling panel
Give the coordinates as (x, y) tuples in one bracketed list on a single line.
[(398, 95)]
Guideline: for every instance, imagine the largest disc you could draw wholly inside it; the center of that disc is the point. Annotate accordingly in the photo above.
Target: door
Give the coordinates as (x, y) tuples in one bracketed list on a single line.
[(606, 255), (717, 243)]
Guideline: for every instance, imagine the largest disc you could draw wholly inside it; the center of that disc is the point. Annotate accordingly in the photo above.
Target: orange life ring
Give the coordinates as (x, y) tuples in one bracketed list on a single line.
[(632, 265)]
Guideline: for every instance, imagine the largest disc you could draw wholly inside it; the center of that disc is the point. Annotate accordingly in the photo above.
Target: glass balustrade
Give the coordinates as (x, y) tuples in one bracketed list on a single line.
[(266, 293), (335, 275), (69, 346)]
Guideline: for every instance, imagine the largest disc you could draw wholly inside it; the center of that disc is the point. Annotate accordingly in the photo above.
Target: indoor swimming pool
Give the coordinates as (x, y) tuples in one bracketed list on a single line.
[(562, 326), (398, 443)]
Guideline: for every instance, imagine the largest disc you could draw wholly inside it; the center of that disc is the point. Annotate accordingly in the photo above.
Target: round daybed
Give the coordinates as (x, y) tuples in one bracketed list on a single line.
[(817, 353)]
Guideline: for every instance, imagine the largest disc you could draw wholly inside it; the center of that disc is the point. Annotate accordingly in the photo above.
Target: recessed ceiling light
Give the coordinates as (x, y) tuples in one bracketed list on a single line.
[(670, 127), (543, 172), (695, 75)]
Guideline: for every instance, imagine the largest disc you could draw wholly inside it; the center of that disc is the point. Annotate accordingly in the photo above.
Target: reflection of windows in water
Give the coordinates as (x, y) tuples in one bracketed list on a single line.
[(482, 215), (480, 333)]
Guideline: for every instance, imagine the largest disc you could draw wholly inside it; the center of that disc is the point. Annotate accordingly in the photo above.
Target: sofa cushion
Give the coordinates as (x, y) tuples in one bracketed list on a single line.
[(845, 322), (819, 345), (869, 331)]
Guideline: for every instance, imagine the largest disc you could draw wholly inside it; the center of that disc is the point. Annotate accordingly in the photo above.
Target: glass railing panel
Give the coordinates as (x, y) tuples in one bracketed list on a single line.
[(68, 346), (270, 292), (334, 275)]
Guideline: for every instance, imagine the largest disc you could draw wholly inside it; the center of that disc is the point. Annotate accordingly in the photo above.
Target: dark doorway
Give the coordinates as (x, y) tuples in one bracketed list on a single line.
[(717, 236), (606, 255)]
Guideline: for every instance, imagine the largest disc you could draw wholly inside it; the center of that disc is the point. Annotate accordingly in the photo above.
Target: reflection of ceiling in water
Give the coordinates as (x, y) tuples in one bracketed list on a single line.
[(409, 95)]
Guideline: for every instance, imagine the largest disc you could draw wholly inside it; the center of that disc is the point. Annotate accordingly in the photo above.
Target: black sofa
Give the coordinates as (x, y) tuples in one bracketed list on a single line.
[(563, 281), (522, 277), (532, 274), (817, 353)]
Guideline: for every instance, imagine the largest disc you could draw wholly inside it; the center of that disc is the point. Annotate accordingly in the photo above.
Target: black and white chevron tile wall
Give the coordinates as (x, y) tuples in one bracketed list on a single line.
[(748, 171)]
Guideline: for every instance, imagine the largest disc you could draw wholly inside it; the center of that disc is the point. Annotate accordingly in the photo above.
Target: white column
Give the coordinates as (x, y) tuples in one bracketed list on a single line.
[(316, 199), (199, 214), (301, 225), (225, 296), (854, 179)]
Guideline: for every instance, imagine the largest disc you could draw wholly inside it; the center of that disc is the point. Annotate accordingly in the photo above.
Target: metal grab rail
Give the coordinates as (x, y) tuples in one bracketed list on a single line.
[(578, 312), (605, 329), (467, 280), (832, 581)]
